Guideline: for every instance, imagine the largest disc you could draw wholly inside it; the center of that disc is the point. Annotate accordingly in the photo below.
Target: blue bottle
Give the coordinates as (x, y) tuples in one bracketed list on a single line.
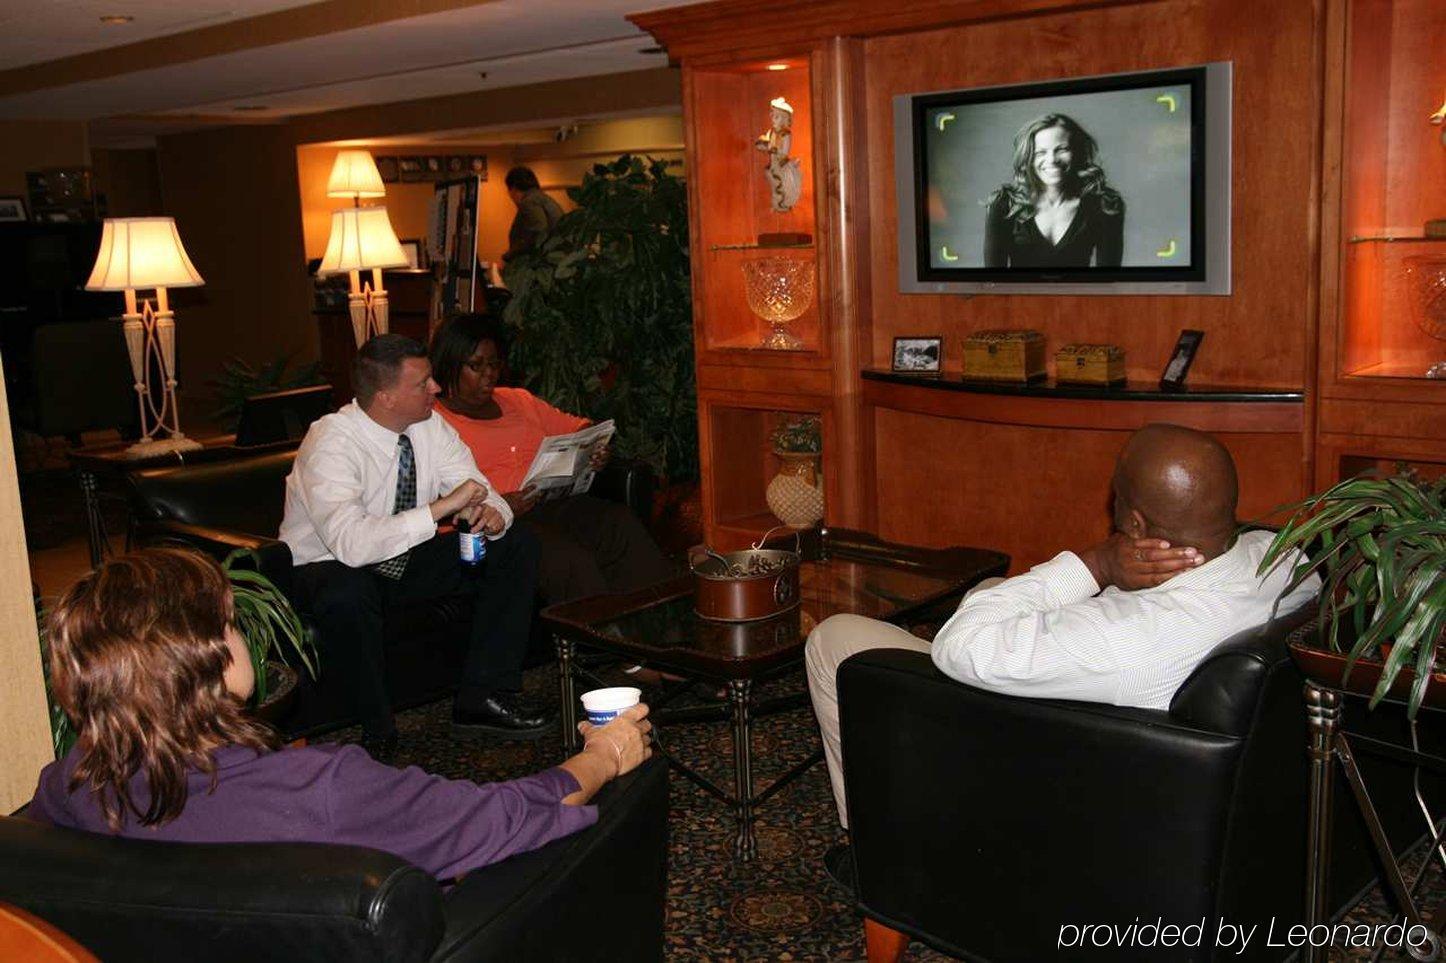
[(472, 545)]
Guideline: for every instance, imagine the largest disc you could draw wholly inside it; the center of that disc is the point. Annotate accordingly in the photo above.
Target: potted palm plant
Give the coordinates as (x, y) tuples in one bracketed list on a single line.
[(1379, 546), (273, 632)]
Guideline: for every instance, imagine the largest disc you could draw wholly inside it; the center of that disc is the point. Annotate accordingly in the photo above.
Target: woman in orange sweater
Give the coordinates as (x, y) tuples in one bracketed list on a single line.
[(589, 545)]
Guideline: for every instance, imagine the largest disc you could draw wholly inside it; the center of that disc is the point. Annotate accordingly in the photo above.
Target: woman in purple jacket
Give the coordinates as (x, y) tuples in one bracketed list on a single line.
[(146, 660)]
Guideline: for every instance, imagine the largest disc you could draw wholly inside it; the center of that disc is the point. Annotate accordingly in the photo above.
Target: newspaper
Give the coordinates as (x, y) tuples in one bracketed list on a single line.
[(563, 464)]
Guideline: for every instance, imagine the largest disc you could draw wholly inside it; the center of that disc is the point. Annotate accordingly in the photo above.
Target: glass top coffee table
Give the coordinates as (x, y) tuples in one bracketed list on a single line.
[(842, 571)]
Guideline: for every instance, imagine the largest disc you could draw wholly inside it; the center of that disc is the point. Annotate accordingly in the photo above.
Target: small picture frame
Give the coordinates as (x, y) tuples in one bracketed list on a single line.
[(1180, 360), (477, 164), (918, 355), (412, 248), (410, 169), (12, 208), (387, 168)]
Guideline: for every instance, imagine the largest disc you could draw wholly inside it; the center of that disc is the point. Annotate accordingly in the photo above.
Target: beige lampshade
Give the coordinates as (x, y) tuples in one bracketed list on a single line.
[(361, 238), (354, 174), (141, 252)]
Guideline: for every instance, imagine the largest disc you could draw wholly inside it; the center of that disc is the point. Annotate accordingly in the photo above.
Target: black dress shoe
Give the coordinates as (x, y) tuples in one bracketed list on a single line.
[(501, 713), (838, 862)]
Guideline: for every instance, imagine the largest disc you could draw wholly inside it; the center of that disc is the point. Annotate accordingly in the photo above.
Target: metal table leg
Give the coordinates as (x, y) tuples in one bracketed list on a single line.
[(740, 697), (95, 524), (1323, 717), (567, 698)]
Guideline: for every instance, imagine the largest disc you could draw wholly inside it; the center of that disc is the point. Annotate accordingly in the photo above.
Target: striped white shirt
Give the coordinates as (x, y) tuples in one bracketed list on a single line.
[(1052, 634)]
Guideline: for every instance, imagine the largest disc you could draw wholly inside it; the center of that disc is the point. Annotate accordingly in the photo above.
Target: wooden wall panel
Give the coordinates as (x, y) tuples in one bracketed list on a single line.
[(1032, 492), (1255, 337)]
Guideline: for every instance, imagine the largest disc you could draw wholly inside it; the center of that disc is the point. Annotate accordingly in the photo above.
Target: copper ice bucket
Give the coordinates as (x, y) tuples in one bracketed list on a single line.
[(755, 583)]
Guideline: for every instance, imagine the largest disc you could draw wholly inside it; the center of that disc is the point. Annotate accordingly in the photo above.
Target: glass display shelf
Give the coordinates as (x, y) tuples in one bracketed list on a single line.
[(1394, 237)]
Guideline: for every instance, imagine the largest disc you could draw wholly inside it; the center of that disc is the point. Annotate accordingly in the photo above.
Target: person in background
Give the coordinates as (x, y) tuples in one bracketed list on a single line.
[(536, 214), (364, 498), (589, 545), (146, 660)]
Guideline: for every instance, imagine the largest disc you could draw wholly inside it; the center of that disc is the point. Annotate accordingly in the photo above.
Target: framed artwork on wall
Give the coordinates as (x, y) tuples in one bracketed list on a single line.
[(12, 208)]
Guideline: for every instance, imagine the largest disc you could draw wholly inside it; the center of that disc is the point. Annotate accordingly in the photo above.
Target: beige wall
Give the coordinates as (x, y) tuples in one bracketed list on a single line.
[(31, 145), (24, 718)]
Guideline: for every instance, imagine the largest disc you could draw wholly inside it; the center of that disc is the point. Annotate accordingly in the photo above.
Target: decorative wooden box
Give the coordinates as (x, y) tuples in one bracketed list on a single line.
[(1004, 356), (1090, 364)]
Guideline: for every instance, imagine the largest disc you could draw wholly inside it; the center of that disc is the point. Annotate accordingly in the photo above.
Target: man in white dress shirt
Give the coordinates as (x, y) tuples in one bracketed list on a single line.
[(1123, 622), (363, 501)]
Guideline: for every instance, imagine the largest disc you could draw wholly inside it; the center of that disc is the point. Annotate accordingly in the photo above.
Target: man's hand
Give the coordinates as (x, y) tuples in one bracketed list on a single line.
[(521, 501), (600, 456), (466, 495), (491, 520), (1135, 563)]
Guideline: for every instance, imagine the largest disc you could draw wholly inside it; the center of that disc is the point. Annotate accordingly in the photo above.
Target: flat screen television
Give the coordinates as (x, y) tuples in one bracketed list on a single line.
[(1116, 184)]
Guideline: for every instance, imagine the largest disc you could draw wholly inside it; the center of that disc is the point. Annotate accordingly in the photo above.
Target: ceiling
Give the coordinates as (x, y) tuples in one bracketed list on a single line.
[(187, 63)]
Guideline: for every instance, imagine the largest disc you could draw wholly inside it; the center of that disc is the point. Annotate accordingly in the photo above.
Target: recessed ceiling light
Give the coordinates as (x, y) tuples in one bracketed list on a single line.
[(778, 66), (651, 50), (250, 107), (115, 19)]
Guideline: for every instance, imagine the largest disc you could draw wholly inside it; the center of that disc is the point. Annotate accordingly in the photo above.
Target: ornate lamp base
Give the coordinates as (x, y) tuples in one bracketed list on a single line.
[(151, 447)]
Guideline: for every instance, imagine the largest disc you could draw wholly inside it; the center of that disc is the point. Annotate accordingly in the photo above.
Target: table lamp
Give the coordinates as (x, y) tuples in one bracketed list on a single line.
[(139, 253), (362, 239), (354, 174)]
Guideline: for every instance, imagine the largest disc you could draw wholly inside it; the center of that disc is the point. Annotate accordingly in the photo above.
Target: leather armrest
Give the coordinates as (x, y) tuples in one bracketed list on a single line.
[(128, 899), (1015, 807), (628, 482), (596, 895), (273, 555)]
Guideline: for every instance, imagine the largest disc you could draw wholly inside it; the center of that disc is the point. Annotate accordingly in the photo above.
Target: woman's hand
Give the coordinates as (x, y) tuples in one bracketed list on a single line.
[(600, 456), (609, 751), (522, 501), (627, 739)]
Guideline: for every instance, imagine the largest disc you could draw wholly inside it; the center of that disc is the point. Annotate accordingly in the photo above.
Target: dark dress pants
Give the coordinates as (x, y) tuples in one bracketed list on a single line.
[(591, 546), (350, 607)]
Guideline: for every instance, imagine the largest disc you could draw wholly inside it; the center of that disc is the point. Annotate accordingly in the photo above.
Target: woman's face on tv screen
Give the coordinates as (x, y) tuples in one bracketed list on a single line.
[(1052, 156)]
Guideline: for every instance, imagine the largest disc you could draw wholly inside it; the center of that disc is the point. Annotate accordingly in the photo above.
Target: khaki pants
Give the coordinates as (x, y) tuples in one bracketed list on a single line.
[(833, 640)]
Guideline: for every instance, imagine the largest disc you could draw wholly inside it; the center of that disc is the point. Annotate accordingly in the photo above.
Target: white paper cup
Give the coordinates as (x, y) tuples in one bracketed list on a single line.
[(603, 705)]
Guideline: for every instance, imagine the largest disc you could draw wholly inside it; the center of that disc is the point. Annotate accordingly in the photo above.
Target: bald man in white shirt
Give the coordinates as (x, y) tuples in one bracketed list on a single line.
[(1123, 622), (363, 502)]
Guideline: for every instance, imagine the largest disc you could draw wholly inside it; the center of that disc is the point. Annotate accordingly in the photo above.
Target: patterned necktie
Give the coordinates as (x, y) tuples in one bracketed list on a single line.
[(406, 499)]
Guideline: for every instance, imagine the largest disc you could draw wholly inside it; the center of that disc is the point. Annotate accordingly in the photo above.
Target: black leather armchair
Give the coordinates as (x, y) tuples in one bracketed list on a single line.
[(596, 895), (224, 505), (982, 824)]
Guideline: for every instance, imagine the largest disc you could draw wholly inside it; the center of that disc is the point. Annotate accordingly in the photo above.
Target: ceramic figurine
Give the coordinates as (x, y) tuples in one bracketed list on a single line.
[(785, 174)]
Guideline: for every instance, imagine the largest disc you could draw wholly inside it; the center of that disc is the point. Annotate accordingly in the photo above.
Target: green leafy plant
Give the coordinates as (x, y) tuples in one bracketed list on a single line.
[(264, 617), (1379, 546), (603, 314), (239, 381), (802, 435)]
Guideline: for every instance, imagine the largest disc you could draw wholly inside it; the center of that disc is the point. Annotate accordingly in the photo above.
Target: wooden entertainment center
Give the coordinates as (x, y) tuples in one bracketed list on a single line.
[(1311, 369)]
